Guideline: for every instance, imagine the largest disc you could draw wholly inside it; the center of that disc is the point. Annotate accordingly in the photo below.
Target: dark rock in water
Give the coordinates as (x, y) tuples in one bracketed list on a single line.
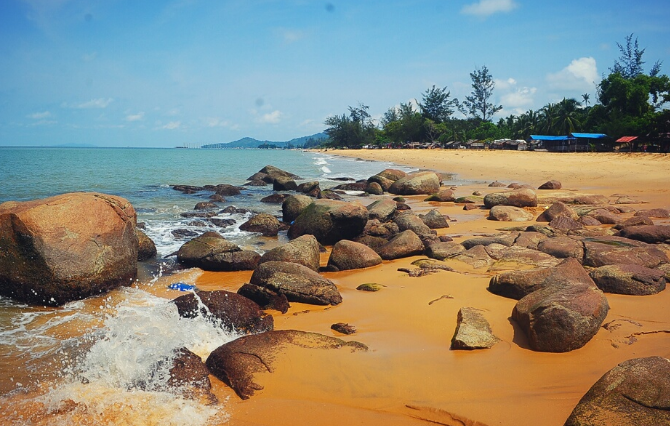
[(352, 255), (659, 213), (198, 214), (303, 250), (146, 247), (328, 194), (354, 186), (284, 184), (297, 282), (68, 247), (270, 173), (343, 179), (383, 182), (601, 251), (222, 223), (227, 190), (516, 185), (635, 392), (442, 196), (204, 205), (374, 188), (190, 377), (343, 328), (188, 189), (516, 198), (561, 319), (497, 184), (236, 363), (405, 244), (629, 279), (264, 297), (293, 205), (232, 311), (383, 209), (311, 188), (256, 182), (518, 284), (264, 223), (274, 199), (557, 209), (234, 210), (217, 198), (330, 221), (434, 219), (552, 184), (413, 222), (470, 206), (472, 331), (648, 233), (563, 247), (416, 183), (198, 223), (212, 252)]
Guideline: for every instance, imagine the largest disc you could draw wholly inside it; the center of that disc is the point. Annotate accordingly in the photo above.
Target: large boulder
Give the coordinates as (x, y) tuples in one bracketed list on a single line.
[(562, 247), (351, 255), (603, 251), (518, 284), (67, 247), (236, 363), (472, 331), (635, 392), (442, 196), (392, 174), (382, 210), (416, 183), (413, 222), (146, 248), (264, 297), (405, 244), (563, 318), (330, 221), (270, 173), (297, 282), (284, 184), (304, 250), (384, 183), (293, 205), (557, 209), (212, 252), (517, 198), (510, 214), (648, 233), (507, 258), (189, 377), (264, 223), (629, 279), (434, 219), (229, 310)]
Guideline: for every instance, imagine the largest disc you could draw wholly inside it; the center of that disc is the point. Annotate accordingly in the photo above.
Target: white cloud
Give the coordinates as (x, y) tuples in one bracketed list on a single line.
[(135, 117), (291, 36), (520, 98), (486, 8), (273, 117), (39, 115), (93, 103), (215, 122), (581, 74), (172, 125)]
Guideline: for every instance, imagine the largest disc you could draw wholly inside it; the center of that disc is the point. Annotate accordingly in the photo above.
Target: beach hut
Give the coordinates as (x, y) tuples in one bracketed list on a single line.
[(630, 140), (591, 142), (554, 143)]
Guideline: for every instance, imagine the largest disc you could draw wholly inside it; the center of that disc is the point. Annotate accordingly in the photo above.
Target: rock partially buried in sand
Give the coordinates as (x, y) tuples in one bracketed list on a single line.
[(67, 247), (635, 392), (330, 221), (516, 198), (416, 183), (405, 244), (629, 279), (303, 250), (237, 362), (211, 252), (265, 297), (351, 255), (603, 251), (648, 233), (557, 209), (297, 282), (472, 331), (371, 287), (510, 214), (552, 184), (264, 223)]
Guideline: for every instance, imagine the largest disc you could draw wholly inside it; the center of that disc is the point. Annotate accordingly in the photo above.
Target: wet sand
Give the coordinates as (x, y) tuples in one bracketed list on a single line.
[(410, 375)]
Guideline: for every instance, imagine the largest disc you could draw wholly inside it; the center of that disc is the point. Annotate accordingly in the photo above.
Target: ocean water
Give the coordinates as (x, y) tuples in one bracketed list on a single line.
[(80, 363)]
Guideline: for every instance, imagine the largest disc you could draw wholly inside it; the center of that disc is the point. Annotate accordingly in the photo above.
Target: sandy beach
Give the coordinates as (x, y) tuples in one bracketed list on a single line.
[(410, 375)]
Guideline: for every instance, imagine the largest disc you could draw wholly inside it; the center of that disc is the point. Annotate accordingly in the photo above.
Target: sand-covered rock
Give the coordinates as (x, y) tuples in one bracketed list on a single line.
[(330, 221), (472, 331), (510, 214), (236, 363), (297, 282), (628, 279), (352, 255), (66, 247), (231, 310), (635, 392)]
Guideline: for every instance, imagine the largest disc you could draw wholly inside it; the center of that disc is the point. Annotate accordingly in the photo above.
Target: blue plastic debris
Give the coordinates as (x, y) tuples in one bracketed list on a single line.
[(181, 287)]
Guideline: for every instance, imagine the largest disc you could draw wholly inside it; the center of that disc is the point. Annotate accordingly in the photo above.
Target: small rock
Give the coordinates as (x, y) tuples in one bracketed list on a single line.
[(472, 331), (552, 184), (343, 328)]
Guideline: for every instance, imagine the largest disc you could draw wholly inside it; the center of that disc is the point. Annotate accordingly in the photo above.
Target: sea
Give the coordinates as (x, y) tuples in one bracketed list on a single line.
[(103, 360)]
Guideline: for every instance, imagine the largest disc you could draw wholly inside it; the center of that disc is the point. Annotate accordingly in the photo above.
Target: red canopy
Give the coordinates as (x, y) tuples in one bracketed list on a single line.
[(626, 139)]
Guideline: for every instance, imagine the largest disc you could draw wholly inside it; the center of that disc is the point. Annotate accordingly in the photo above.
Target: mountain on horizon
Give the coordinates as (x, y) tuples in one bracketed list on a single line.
[(248, 142)]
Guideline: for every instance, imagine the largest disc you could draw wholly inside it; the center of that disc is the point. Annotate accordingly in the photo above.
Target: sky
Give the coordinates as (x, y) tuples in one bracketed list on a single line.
[(188, 72)]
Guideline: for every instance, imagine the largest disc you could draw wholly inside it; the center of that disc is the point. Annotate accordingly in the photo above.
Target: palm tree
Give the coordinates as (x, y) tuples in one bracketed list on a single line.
[(567, 117), (585, 99), (548, 118)]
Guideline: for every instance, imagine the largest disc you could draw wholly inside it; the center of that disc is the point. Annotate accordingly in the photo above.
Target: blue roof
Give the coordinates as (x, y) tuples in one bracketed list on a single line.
[(550, 138), (589, 135)]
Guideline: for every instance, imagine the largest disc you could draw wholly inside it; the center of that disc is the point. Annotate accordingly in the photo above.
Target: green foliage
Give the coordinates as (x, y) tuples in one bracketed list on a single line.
[(478, 104), (351, 131), (436, 105)]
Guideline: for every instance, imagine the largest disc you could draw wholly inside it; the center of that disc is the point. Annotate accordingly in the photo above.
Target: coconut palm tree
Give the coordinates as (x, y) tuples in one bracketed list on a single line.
[(548, 118), (585, 99), (567, 116)]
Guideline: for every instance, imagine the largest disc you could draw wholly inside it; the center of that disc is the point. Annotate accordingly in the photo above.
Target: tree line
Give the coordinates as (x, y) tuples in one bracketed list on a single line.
[(629, 103)]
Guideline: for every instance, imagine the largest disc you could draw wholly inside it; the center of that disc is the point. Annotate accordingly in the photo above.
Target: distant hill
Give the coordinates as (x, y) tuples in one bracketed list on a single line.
[(255, 143)]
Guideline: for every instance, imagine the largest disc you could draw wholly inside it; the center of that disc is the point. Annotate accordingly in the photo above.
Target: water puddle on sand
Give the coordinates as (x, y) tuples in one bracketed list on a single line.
[(104, 360)]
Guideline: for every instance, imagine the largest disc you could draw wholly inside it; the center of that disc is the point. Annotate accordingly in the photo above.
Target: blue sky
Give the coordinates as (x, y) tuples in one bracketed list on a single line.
[(168, 73)]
